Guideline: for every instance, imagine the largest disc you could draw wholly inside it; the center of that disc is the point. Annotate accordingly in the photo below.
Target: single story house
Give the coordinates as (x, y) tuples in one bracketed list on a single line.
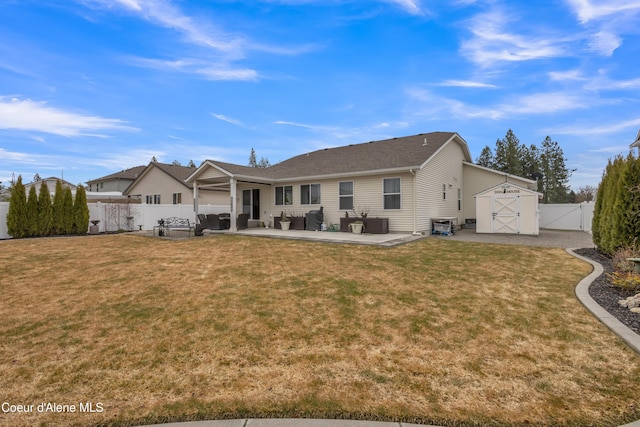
[(162, 183), (408, 180)]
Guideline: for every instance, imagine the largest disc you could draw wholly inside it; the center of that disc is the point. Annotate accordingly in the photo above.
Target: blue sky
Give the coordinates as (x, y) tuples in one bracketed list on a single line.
[(91, 87)]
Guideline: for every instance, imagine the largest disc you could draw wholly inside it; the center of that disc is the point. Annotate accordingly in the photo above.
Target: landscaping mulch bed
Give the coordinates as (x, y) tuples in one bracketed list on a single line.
[(608, 295)]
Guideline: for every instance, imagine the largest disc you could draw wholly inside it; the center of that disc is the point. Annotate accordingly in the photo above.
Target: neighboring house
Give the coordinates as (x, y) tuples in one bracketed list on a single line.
[(51, 185), (161, 183), (636, 143), (118, 181), (409, 180)]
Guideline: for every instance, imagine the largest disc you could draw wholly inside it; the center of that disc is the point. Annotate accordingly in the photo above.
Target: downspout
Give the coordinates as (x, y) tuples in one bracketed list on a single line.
[(195, 198), (415, 202)]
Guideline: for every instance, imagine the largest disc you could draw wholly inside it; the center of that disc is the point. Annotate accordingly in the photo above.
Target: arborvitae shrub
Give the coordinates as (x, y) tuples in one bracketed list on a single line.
[(67, 209), (45, 211), (80, 212), (17, 216), (58, 210), (32, 213)]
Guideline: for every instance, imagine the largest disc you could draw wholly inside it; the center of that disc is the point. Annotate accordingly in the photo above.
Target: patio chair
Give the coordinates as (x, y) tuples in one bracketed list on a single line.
[(202, 225), (243, 221)]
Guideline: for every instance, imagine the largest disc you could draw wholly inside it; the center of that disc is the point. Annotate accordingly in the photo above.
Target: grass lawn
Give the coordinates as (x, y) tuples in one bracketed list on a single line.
[(436, 331)]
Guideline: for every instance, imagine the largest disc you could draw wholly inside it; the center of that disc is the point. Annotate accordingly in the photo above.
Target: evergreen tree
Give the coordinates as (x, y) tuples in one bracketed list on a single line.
[(191, 164), (176, 163), (32, 213), (486, 158), (67, 208), (45, 211), (598, 209), (17, 215), (555, 175), (57, 226), (36, 178), (80, 212), (508, 155), (263, 163), (253, 162)]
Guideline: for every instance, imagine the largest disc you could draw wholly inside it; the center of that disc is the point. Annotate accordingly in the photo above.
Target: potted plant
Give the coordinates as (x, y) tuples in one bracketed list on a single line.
[(356, 227), (284, 221)]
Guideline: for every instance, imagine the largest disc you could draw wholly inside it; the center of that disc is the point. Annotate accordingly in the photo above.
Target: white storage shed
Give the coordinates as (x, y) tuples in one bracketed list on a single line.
[(508, 209)]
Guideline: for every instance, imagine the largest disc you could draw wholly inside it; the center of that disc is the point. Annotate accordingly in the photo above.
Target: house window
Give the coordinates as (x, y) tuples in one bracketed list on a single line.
[(346, 195), (153, 199), (459, 199), (391, 193), (284, 195), (149, 199), (177, 198), (310, 194), (444, 191)]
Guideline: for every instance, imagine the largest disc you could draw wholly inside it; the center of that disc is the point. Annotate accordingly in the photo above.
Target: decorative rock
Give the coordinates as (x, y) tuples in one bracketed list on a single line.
[(632, 303)]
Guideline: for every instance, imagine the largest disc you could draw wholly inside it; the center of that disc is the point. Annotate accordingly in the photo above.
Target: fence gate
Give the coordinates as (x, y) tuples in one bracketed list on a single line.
[(506, 214)]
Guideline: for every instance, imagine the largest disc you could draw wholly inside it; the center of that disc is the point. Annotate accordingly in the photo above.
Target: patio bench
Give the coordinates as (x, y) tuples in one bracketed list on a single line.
[(172, 223)]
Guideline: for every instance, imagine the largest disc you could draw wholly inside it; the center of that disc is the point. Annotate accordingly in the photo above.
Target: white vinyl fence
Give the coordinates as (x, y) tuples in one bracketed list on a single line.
[(567, 216), (129, 217), (121, 216)]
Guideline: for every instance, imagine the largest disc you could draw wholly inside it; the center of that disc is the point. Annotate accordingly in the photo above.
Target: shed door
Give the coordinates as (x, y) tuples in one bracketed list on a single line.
[(506, 214)]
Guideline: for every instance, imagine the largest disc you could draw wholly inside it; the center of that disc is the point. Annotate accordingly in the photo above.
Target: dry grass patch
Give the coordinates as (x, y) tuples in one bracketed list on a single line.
[(435, 331)]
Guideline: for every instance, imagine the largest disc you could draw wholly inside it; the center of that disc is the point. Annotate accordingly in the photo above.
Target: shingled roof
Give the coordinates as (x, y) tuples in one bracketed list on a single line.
[(395, 153), (390, 154), (131, 173)]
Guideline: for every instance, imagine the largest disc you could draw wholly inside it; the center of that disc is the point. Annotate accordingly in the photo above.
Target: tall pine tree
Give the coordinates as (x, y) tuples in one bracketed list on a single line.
[(509, 155)]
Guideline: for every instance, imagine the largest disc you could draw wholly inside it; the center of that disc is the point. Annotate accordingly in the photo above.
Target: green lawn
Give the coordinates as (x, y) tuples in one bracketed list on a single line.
[(435, 331)]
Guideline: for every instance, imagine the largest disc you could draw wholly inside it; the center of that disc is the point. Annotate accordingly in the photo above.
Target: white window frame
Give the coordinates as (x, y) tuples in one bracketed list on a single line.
[(346, 196), (177, 198), (309, 195), (284, 195), (399, 194)]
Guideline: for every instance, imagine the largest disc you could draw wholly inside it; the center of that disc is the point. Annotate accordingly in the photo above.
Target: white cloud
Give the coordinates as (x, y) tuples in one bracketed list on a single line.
[(590, 10), (492, 44), (28, 115), (466, 83), (411, 6), (437, 107), (546, 103), (611, 128), (575, 75), (163, 13), (219, 72), (604, 42), (227, 119)]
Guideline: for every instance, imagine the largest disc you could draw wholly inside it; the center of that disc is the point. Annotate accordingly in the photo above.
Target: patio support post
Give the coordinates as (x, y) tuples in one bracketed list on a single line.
[(234, 205)]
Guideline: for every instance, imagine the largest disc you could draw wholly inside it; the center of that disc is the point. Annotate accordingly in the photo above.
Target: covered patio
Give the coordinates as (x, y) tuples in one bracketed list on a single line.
[(234, 179)]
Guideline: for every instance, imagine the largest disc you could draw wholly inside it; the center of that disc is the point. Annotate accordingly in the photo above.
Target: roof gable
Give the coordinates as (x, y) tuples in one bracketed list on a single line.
[(177, 172), (389, 154)]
